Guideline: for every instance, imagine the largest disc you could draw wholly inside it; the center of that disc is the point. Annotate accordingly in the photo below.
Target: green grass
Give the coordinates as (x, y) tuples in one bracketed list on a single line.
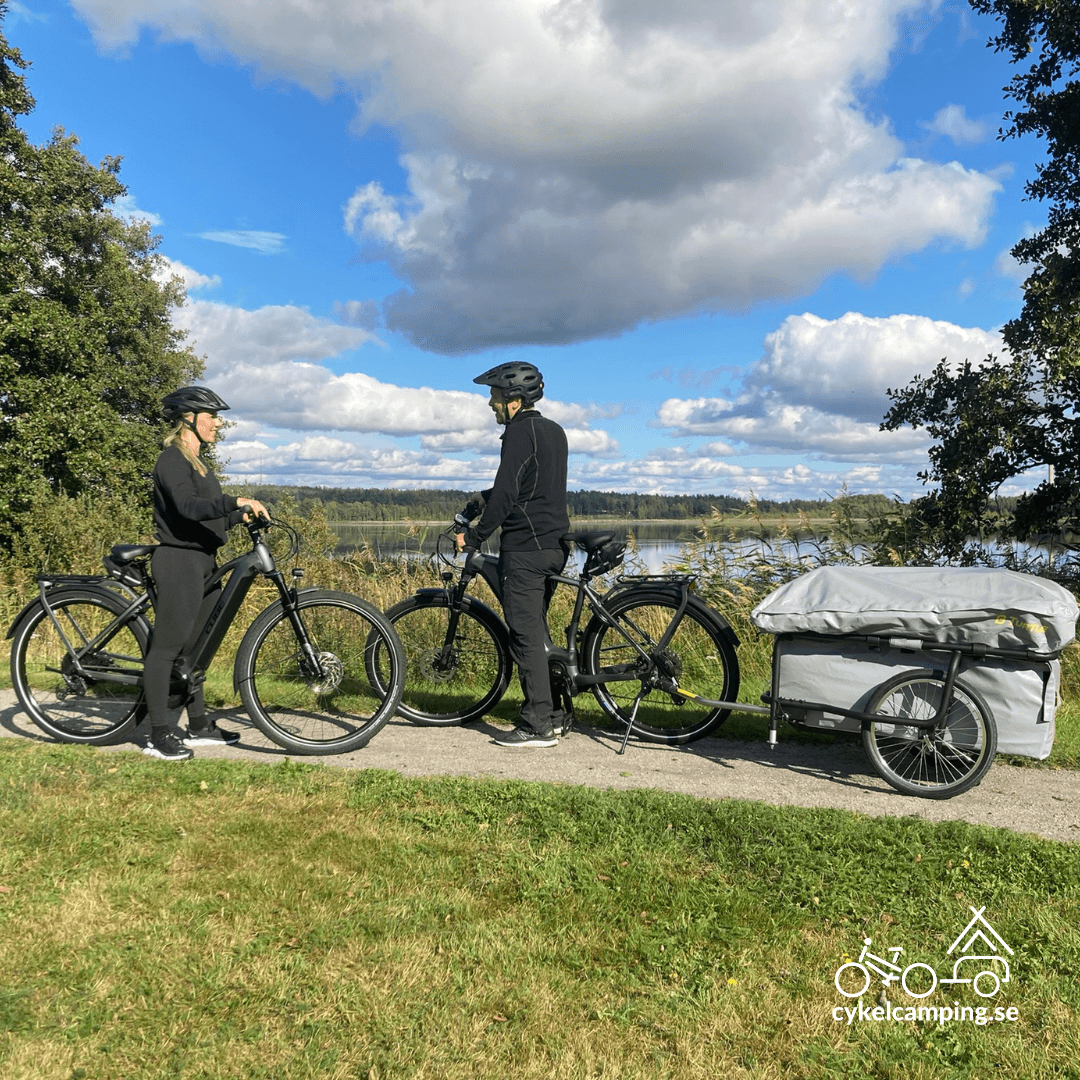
[(221, 919)]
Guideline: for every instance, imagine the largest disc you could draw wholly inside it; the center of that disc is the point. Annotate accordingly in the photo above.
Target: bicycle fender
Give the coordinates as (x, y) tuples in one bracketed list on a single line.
[(468, 602)]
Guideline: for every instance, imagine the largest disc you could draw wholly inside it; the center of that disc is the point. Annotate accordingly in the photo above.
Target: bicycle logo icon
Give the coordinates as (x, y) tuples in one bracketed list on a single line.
[(920, 980)]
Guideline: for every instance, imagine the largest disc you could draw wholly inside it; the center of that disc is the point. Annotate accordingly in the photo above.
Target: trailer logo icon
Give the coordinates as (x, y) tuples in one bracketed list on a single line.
[(920, 980)]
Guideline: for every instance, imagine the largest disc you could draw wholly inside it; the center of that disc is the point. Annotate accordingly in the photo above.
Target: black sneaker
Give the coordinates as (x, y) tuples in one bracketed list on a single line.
[(211, 735), (167, 747), (523, 736)]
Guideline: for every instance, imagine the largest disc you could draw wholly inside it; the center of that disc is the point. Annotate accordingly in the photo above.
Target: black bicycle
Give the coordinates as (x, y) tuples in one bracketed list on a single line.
[(78, 649), (646, 641)]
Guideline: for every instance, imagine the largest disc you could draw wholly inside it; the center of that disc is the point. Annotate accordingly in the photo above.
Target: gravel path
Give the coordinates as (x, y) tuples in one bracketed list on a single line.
[(1042, 801)]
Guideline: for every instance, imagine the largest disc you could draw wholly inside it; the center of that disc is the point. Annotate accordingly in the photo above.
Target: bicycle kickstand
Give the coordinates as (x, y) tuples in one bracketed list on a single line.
[(630, 722)]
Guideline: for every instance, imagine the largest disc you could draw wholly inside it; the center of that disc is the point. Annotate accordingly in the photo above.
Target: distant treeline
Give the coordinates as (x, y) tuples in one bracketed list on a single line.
[(392, 504)]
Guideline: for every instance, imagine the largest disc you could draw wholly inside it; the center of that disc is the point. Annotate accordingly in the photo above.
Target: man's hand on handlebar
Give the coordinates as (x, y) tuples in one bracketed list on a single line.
[(253, 509), (459, 541)]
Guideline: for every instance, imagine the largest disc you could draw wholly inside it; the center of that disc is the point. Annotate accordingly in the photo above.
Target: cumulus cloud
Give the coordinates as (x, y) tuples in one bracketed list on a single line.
[(231, 336), (575, 167), (124, 207), (265, 243), (953, 122), (362, 313), (269, 364), (192, 279), (820, 387)]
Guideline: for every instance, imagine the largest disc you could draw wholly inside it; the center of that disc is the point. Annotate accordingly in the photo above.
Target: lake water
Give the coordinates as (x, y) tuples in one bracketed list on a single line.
[(658, 543)]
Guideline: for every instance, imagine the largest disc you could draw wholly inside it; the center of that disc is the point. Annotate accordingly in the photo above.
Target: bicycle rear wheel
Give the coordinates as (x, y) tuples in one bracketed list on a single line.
[(932, 763), (71, 706), (339, 709), (699, 657), (455, 684)]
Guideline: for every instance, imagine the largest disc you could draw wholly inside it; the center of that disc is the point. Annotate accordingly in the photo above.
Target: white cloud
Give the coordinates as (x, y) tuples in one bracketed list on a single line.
[(268, 364), (953, 122), (124, 207), (362, 313), (265, 243), (1010, 268), (232, 336), (192, 279), (21, 13), (820, 387), (578, 166)]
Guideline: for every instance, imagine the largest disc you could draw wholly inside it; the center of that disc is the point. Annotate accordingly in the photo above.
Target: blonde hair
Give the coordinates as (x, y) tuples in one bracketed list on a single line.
[(174, 438)]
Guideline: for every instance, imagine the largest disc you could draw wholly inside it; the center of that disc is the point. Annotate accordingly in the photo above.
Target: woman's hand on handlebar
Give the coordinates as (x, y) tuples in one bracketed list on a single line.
[(253, 509)]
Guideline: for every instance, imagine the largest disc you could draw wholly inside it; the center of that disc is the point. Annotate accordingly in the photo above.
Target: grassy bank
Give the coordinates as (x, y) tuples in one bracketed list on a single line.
[(220, 920)]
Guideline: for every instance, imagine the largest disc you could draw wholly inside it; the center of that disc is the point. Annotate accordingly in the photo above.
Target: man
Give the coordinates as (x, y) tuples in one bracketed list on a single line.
[(529, 502)]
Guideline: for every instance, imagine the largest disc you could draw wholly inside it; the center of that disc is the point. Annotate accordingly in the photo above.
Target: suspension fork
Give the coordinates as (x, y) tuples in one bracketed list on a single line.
[(455, 598), (290, 603)]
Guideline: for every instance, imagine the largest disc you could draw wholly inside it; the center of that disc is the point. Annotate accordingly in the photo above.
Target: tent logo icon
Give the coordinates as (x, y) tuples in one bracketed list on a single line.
[(979, 946)]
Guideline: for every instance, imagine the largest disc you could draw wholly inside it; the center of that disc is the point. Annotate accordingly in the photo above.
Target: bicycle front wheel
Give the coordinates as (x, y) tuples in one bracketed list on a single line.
[(699, 657), (932, 763), (78, 702), (336, 708), (449, 681)]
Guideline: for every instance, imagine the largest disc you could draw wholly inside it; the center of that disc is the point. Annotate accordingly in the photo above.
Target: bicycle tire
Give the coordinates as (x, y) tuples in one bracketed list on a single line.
[(923, 993), (342, 711), (866, 978), (477, 672), (927, 762), (701, 658), (64, 704)]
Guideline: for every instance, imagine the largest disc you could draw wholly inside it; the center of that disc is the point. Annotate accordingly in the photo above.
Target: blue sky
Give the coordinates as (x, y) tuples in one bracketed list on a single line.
[(720, 229)]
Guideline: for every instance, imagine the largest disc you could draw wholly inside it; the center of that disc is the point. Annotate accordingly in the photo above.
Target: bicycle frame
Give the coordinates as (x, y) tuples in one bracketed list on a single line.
[(954, 652), (481, 564), (190, 669)]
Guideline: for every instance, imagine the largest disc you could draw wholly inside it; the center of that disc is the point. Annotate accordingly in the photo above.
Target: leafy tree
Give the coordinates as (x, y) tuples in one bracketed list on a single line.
[(87, 348), (996, 420)]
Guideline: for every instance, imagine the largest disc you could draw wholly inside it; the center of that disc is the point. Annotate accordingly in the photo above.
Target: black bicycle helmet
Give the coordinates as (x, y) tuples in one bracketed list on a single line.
[(193, 399), (515, 379)]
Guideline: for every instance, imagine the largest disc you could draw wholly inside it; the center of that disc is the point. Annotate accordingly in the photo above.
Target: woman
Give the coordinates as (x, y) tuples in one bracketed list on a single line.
[(192, 515)]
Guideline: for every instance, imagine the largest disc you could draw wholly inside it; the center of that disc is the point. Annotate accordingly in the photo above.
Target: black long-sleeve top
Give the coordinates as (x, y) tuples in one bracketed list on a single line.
[(529, 496), (190, 510)]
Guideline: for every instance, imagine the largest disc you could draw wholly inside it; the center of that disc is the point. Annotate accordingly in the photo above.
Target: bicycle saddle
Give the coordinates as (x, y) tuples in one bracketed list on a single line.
[(122, 554), (590, 541)]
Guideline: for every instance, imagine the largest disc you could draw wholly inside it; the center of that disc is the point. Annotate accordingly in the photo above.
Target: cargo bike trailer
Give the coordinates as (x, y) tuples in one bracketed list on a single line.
[(938, 668)]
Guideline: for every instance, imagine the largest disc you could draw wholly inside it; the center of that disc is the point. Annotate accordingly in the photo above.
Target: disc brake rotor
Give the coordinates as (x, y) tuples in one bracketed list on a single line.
[(333, 673), (435, 668)]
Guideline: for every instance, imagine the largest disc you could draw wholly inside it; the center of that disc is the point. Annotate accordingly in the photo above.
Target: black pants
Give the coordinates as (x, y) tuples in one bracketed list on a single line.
[(526, 593), (180, 575)]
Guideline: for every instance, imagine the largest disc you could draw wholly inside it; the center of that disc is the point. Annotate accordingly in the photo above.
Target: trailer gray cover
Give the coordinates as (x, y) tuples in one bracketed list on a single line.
[(1000, 608)]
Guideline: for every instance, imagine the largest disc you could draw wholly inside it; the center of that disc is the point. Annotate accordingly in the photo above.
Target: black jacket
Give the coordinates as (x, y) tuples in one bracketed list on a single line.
[(529, 496), (190, 511)]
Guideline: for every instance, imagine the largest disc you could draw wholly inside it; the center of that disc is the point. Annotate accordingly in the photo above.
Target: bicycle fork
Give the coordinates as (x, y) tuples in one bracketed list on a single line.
[(310, 665)]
